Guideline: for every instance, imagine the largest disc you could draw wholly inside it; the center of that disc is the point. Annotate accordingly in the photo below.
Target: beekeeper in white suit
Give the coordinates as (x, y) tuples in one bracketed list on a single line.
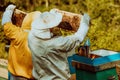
[(49, 54)]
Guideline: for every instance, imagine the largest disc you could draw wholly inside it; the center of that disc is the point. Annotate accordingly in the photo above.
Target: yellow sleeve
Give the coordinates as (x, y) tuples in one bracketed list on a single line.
[(11, 31)]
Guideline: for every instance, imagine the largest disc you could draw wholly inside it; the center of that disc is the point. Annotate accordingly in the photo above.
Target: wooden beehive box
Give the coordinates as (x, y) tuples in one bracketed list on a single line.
[(70, 20), (18, 17), (100, 68)]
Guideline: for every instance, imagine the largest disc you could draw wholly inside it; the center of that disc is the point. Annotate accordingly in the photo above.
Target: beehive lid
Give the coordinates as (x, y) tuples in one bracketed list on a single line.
[(103, 52)]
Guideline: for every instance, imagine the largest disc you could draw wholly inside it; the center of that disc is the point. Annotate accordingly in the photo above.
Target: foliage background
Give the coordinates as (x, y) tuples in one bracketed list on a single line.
[(104, 30)]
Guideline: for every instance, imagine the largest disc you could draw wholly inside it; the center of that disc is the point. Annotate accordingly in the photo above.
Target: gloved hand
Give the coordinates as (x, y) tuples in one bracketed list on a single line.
[(85, 19), (54, 10), (83, 28), (7, 15)]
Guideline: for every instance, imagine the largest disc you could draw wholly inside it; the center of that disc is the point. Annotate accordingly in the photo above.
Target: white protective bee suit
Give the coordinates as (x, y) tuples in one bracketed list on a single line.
[(49, 54)]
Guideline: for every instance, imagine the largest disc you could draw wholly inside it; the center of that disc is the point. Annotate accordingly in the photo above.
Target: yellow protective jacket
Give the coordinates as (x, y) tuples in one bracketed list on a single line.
[(19, 59)]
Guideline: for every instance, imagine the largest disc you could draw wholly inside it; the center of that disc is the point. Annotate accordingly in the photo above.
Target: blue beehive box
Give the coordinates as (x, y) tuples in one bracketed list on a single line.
[(100, 68)]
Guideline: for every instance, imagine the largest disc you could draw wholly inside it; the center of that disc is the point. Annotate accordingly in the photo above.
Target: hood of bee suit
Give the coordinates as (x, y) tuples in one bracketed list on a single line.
[(26, 24), (41, 26)]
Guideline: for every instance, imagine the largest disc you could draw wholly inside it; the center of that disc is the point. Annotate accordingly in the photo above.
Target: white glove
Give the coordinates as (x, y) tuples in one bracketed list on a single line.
[(83, 28), (54, 10), (7, 15)]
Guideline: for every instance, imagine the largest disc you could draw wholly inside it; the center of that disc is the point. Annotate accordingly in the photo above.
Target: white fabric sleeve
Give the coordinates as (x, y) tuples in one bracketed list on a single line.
[(7, 15), (83, 28)]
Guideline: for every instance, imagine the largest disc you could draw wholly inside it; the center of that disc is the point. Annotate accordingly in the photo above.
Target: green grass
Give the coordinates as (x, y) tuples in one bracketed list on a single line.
[(2, 66), (3, 53), (3, 78)]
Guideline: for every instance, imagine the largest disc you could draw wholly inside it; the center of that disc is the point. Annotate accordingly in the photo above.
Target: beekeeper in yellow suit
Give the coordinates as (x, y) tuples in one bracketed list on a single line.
[(19, 59)]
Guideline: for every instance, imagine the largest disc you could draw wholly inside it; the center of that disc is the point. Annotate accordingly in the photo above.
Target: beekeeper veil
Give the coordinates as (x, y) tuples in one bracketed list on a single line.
[(41, 26)]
